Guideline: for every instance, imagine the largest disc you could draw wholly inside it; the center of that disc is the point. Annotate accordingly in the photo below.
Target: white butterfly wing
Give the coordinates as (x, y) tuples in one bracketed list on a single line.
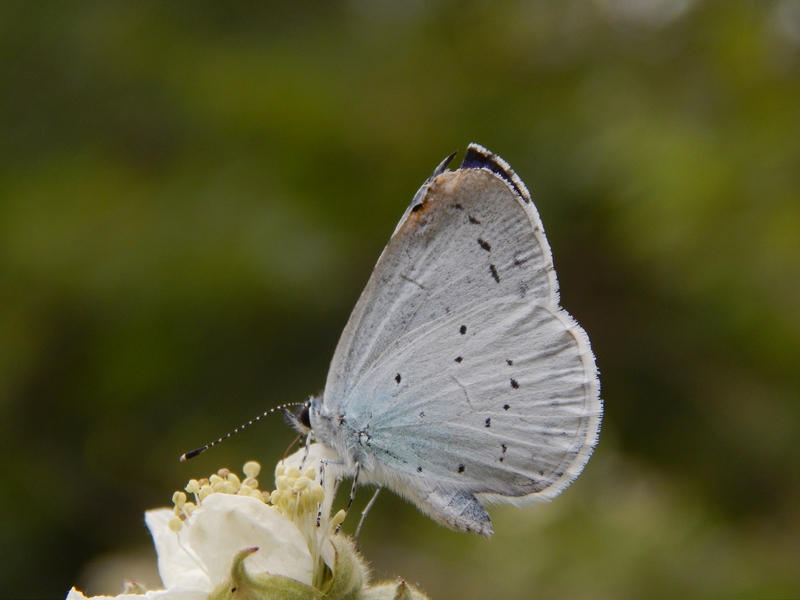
[(458, 374), (503, 409), (466, 238)]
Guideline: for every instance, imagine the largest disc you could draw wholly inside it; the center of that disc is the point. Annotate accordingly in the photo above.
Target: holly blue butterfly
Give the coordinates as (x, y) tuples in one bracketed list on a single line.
[(459, 381)]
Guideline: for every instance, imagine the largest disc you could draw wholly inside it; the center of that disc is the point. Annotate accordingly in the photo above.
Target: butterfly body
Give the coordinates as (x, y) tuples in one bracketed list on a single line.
[(459, 380)]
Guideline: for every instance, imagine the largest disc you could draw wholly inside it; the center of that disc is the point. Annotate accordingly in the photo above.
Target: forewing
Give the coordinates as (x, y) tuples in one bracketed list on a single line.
[(471, 236)]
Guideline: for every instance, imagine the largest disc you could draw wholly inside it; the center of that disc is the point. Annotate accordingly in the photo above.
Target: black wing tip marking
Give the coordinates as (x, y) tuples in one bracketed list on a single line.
[(478, 157)]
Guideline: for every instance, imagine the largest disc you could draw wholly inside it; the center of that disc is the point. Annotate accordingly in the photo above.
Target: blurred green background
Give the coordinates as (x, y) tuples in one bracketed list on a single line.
[(193, 194)]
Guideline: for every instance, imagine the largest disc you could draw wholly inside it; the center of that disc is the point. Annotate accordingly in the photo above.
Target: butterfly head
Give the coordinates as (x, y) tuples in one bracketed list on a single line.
[(300, 419)]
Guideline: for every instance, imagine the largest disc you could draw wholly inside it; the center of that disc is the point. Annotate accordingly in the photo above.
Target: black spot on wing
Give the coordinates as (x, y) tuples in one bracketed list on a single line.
[(488, 422), (419, 469), (473, 220), (504, 447), (461, 468), (459, 359), (493, 271), (484, 244), (397, 378), (458, 206), (510, 362), (515, 384), (506, 406), (463, 329)]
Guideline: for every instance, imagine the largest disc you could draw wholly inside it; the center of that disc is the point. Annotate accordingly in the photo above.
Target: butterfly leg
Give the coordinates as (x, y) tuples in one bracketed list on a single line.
[(364, 514), (322, 464), (352, 495), (305, 456)]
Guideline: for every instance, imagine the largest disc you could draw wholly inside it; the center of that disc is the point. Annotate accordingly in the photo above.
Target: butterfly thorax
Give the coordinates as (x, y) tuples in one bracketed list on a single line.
[(348, 435)]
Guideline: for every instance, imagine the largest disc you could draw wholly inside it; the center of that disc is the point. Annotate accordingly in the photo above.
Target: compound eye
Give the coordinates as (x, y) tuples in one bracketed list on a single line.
[(304, 418)]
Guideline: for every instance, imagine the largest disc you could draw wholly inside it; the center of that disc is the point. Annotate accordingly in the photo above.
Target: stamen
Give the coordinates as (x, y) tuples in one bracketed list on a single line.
[(337, 520), (251, 469)]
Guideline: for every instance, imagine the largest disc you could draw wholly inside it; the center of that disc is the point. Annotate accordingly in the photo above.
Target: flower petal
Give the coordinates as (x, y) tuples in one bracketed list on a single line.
[(225, 524), (170, 594), (177, 564)]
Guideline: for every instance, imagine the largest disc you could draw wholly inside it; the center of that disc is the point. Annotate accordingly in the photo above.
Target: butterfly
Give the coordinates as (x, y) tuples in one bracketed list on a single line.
[(459, 381)]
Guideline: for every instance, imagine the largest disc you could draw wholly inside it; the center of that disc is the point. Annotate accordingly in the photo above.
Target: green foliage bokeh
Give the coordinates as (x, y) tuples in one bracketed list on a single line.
[(193, 194)]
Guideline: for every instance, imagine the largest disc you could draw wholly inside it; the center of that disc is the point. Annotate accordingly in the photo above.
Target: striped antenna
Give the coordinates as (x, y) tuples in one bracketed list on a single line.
[(202, 449)]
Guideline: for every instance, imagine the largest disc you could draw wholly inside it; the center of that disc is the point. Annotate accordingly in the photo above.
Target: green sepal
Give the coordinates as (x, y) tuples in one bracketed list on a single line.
[(263, 586), (349, 573), (348, 581)]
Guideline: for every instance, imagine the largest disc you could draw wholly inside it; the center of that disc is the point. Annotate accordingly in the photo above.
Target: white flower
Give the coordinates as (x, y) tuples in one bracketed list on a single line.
[(235, 541), (197, 542), (200, 554)]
